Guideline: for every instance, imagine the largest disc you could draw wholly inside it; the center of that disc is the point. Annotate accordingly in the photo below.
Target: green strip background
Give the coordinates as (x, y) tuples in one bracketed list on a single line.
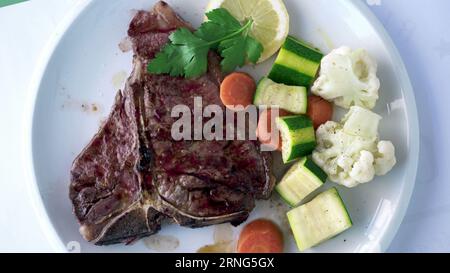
[(4, 3)]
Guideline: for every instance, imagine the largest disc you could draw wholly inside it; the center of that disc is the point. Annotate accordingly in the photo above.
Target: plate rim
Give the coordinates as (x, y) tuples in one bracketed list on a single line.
[(412, 125), (47, 52)]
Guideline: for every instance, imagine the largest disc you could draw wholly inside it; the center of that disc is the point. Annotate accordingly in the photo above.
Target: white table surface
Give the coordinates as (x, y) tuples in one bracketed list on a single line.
[(420, 29)]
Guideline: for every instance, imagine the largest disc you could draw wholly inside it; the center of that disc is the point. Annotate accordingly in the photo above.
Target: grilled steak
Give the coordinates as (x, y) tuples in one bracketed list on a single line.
[(133, 174)]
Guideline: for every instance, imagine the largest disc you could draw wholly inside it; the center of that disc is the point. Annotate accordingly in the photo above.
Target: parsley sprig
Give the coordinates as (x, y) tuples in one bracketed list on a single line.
[(187, 52)]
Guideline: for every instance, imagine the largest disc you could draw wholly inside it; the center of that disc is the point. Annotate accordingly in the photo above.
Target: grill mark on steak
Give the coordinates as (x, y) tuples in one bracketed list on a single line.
[(133, 174)]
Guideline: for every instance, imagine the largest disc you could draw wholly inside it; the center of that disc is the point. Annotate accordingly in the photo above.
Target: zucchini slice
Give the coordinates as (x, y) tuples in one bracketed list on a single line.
[(297, 135), (301, 180), (319, 220), (296, 64), (293, 99)]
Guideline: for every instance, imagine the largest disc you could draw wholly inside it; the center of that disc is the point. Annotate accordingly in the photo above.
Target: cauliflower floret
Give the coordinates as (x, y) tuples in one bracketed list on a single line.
[(385, 160), (363, 170), (348, 77), (351, 159)]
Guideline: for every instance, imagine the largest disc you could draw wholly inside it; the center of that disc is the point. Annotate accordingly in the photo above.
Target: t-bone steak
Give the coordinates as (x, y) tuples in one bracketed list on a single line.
[(132, 175)]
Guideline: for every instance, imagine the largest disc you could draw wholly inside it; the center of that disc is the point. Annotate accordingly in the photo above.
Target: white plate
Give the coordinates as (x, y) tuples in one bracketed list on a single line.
[(84, 66)]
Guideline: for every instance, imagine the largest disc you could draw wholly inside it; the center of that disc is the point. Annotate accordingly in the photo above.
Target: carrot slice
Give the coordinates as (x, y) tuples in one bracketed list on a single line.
[(319, 110), (237, 89), (266, 131), (260, 236)]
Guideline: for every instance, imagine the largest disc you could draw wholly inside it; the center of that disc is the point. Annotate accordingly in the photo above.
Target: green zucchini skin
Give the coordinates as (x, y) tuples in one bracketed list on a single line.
[(297, 63), (298, 136), (286, 75), (296, 123), (301, 48), (302, 150), (309, 164)]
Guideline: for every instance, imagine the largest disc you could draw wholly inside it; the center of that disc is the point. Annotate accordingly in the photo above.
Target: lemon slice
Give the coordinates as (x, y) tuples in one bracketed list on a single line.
[(270, 21)]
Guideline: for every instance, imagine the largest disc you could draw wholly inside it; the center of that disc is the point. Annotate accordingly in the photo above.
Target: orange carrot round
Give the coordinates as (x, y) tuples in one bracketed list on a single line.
[(260, 236), (237, 89), (266, 131), (319, 110)]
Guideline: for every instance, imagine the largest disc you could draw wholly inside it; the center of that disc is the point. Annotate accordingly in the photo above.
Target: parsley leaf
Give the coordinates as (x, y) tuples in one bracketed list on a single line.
[(187, 53), (233, 53), (220, 24), (253, 49), (236, 51)]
